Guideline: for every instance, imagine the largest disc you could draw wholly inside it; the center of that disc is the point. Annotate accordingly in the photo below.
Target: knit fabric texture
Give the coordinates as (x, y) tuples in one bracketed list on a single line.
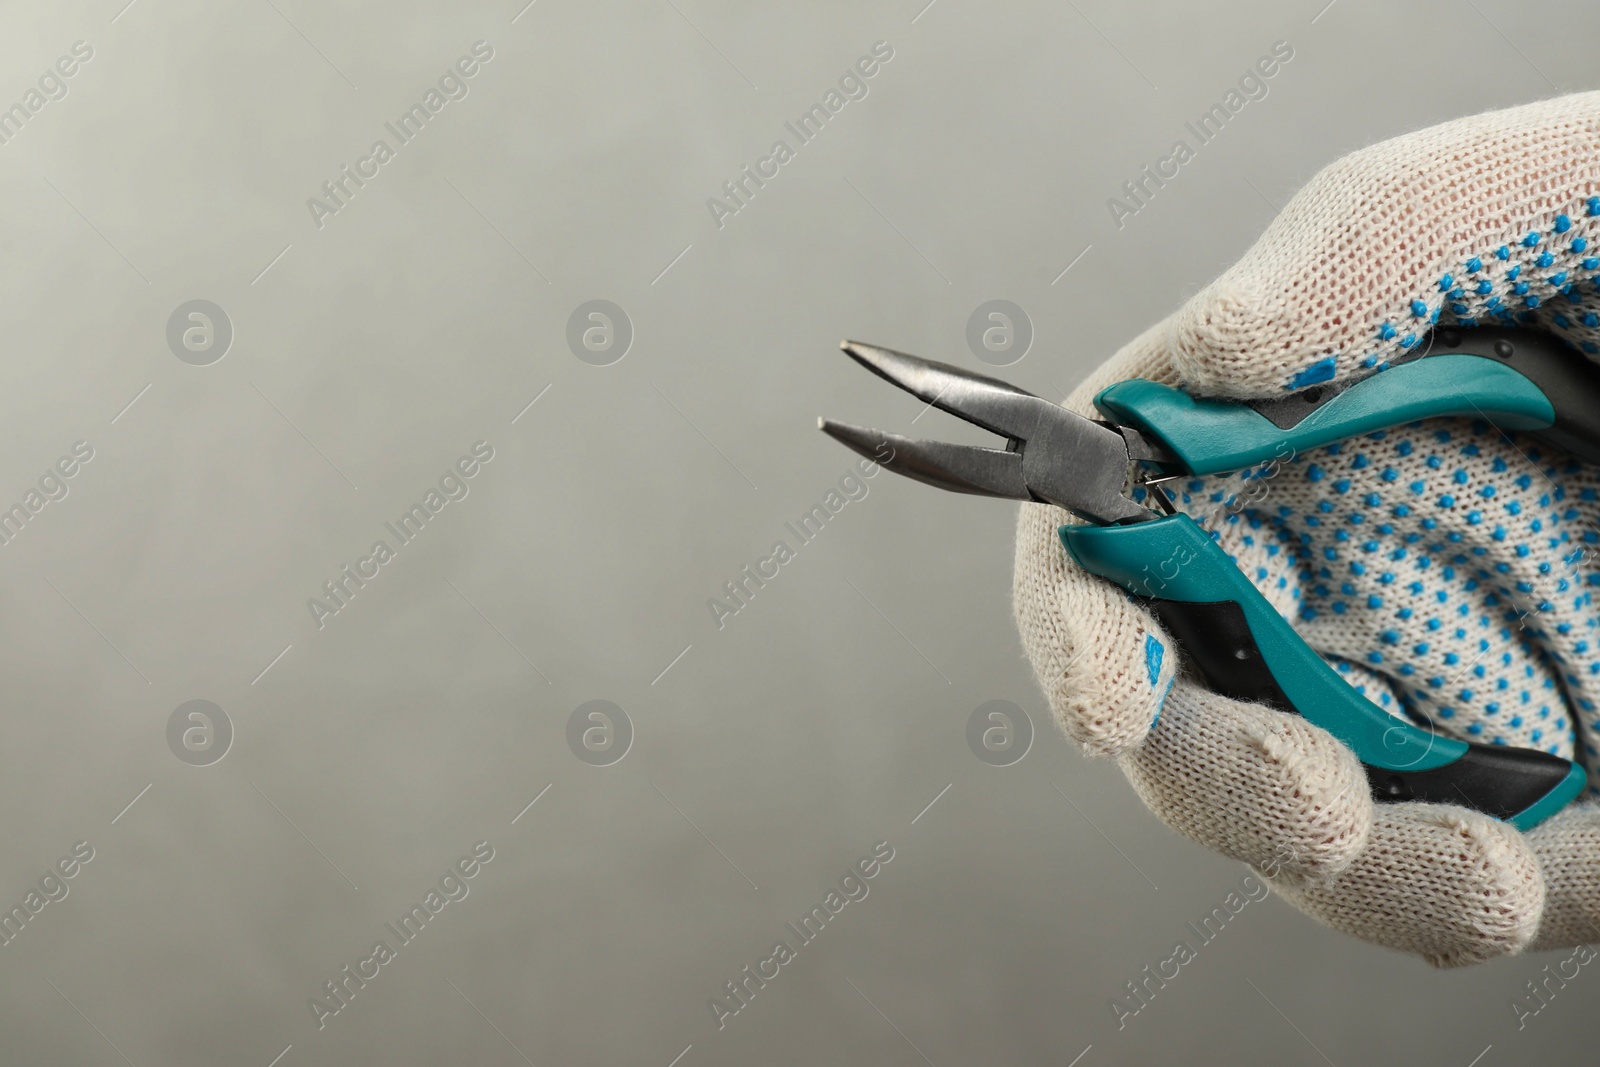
[(1444, 568), (1486, 218)]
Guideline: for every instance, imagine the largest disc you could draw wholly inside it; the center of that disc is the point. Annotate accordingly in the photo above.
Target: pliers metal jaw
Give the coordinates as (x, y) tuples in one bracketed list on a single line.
[(1516, 379), (1052, 455)]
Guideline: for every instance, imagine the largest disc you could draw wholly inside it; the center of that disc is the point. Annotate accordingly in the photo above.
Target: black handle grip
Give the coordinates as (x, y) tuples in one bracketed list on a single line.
[(1566, 377)]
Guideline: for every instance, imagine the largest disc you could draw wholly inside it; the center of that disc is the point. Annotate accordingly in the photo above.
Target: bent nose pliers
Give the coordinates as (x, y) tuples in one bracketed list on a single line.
[(1516, 379)]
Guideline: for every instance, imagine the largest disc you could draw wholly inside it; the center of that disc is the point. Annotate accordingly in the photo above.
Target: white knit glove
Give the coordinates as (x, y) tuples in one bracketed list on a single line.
[(1438, 566)]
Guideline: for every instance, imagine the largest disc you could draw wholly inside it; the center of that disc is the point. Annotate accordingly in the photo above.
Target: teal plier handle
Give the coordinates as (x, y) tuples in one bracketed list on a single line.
[(1516, 379)]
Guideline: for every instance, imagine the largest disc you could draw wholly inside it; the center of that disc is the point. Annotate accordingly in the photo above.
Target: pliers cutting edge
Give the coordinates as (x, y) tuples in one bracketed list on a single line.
[(1516, 379)]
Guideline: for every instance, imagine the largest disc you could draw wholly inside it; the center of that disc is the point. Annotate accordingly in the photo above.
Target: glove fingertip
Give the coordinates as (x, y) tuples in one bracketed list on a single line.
[(1254, 784), (1451, 886), (1104, 665), (1110, 708), (1568, 847)]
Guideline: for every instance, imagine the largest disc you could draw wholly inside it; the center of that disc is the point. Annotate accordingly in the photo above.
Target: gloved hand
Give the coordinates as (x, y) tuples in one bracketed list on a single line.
[(1443, 568)]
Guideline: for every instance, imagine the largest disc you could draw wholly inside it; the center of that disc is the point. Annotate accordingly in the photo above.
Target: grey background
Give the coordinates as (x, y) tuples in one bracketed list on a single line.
[(775, 751)]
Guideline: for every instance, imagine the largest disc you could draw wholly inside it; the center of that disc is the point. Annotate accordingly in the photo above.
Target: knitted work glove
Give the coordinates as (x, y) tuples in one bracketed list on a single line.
[(1442, 567)]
